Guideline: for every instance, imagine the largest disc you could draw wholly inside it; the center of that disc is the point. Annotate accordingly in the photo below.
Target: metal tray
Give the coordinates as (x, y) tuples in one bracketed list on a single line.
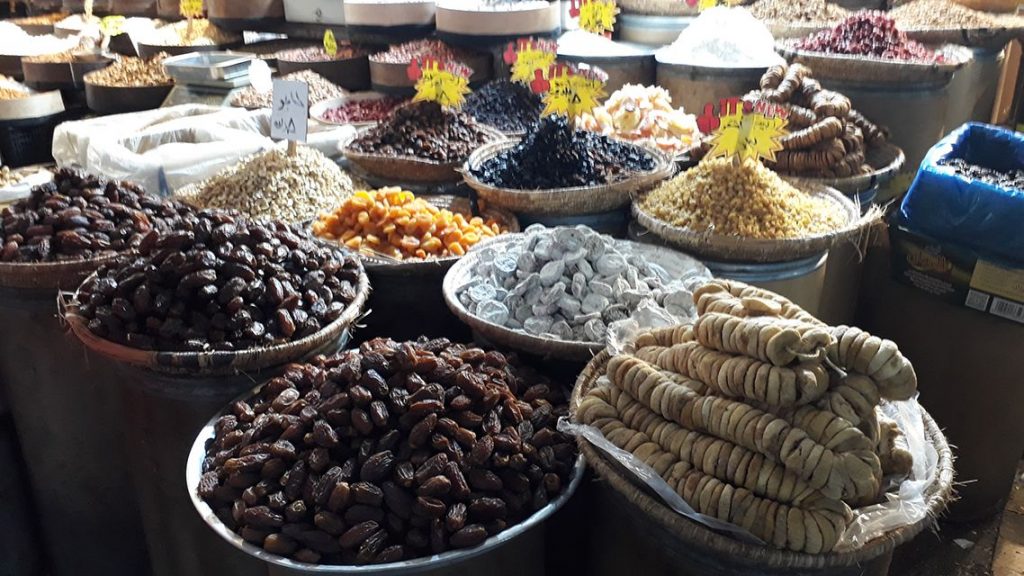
[(208, 66)]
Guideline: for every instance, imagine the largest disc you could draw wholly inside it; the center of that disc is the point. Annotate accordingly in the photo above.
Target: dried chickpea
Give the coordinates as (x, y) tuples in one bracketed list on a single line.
[(395, 223)]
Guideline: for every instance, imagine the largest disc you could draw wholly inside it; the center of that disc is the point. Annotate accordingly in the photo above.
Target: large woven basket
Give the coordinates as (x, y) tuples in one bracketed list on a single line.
[(571, 350), (877, 71), (720, 246), (381, 265), (407, 168), (670, 531), (563, 201), (219, 362)]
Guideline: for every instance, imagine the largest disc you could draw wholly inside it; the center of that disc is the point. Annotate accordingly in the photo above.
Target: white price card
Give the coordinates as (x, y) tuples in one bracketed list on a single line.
[(290, 115)]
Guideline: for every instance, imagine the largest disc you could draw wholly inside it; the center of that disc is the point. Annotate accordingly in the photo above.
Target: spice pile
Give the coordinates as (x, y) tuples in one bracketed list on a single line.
[(1010, 180), (395, 223), (748, 384), (827, 137), (583, 43), (644, 115), (368, 110), (131, 72), (568, 284), (389, 452), (8, 178), (749, 201), (74, 55), (799, 12), (317, 53), (945, 15), (16, 42), (40, 19), (78, 216), (723, 37), (554, 155), (220, 282), (869, 33), (407, 52), (320, 89), (427, 131), (197, 32), (11, 89), (507, 106), (274, 185)]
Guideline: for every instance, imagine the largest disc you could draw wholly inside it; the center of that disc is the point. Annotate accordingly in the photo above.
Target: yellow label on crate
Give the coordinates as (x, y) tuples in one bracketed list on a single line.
[(755, 134), (112, 25), (191, 8), (529, 55), (572, 92), (445, 83), (997, 280), (330, 43), (598, 16)]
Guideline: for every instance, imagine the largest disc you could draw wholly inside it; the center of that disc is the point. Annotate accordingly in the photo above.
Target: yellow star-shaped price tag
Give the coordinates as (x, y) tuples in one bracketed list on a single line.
[(330, 43), (531, 56), (572, 93), (112, 25), (447, 85), (190, 8), (754, 135), (598, 16), (703, 5)]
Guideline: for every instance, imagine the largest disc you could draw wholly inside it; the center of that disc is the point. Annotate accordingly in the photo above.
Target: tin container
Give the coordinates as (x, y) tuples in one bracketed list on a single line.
[(200, 67)]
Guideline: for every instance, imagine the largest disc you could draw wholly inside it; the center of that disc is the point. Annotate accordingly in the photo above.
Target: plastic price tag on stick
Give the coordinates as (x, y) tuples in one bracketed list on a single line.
[(330, 43), (112, 25), (527, 55), (570, 90), (190, 8), (444, 82), (598, 16), (290, 114), (744, 130)]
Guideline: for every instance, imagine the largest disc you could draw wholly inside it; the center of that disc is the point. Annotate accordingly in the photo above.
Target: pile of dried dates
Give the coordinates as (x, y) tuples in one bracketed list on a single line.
[(508, 106), (390, 452), (554, 155), (77, 216), (220, 282), (425, 130)]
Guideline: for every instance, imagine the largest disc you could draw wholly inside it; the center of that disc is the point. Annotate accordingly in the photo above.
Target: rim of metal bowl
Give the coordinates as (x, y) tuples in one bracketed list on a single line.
[(193, 472)]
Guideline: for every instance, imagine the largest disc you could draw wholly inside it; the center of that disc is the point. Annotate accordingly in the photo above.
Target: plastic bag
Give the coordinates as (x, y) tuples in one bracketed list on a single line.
[(952, 207), (904, 506)]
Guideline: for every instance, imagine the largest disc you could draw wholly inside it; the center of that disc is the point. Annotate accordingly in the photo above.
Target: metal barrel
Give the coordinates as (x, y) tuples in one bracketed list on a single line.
[(802, 281), (164, 412), (694, 86), (67, 422)]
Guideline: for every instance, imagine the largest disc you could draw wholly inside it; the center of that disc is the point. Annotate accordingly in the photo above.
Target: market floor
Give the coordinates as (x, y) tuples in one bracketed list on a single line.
[(993, 547)]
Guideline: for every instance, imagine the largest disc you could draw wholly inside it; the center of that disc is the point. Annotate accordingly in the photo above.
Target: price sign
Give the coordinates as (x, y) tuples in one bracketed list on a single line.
[(570, 90), (112, 25), (444, 82), (290, 115), (744, 129), (330, 43), (190, 8), (527, 55), (598, 16)]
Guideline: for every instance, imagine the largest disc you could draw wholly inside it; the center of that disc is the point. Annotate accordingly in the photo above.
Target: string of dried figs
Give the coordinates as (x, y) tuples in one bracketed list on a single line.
[(827, 137), (220, 282), (78, 216), (745, 418), (389, 452)]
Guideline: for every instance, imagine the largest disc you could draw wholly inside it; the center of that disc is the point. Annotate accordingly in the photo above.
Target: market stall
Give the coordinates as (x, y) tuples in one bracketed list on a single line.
[(403, 287)]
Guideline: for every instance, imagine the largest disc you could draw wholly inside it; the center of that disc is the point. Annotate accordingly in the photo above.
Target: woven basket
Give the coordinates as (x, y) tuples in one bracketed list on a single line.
[(734, 248), (675, 531), (876, 71), (218, 362), (407, 168), (987, 38), (50, 275), (381, 265), (886, 161), (572, 350), (563, 201)]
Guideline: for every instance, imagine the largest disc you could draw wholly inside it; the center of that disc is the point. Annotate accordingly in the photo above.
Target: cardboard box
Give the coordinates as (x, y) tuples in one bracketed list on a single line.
[(958, 274)]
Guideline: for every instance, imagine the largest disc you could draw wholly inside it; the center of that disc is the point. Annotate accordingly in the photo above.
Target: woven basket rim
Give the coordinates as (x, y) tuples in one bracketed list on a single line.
[(898, 71), (862, 182), (574, 350), (48, 275), (216, 362), (690, 533), (556, 201), (757, 250)]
